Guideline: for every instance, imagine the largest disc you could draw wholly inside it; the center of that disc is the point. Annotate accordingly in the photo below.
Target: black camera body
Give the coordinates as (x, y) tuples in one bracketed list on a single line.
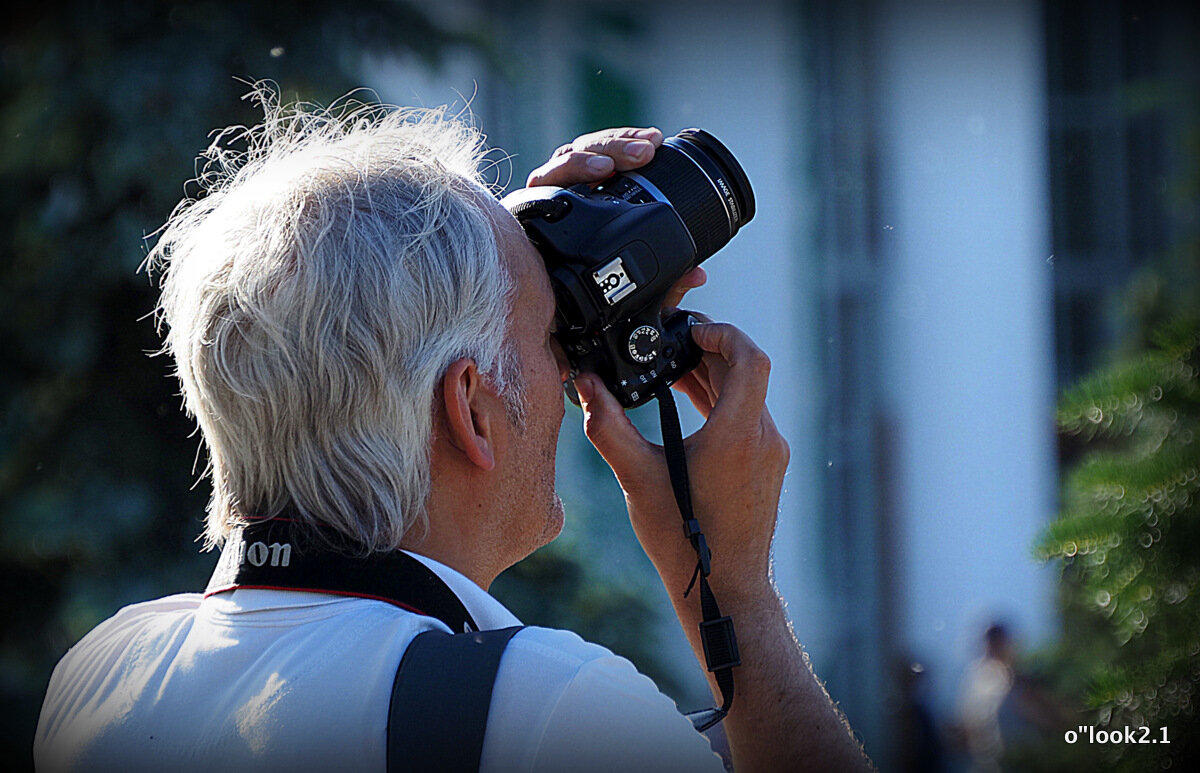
[(615, 249)]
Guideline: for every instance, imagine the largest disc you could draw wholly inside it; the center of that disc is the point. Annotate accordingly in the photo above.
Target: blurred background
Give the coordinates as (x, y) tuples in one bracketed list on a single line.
[(974, 263)]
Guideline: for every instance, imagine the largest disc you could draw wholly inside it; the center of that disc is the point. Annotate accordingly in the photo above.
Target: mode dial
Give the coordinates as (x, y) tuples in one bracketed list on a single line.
[(643, 344)]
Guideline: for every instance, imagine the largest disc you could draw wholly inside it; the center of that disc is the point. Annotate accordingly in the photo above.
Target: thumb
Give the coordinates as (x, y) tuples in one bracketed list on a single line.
[(611, 431)]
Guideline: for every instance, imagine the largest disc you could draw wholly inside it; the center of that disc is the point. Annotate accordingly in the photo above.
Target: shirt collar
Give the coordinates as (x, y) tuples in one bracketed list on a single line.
[(488, 613)]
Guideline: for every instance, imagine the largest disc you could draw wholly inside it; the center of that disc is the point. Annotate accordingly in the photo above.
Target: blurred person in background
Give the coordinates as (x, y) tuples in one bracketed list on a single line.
[(1002, 708)]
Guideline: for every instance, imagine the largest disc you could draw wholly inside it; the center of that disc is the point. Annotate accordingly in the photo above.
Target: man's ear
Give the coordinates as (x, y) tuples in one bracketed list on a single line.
[(467, 400)]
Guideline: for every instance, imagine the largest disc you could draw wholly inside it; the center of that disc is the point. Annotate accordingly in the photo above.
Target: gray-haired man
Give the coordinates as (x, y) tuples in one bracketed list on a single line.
[(365, 337)]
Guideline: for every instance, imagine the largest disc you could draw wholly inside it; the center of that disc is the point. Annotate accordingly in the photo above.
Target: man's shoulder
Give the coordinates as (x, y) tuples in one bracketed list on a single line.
[(561, 663), (565, 660), (174, 604), (109, 642), (564, 647), (572, 704), (551, 663), (133, 618)]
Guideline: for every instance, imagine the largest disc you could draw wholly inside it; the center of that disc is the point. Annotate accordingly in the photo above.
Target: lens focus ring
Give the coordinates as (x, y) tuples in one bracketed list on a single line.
[(694, 196)]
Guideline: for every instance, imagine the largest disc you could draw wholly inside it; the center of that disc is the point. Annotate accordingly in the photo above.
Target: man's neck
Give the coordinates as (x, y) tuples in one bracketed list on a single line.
[(462, 537)]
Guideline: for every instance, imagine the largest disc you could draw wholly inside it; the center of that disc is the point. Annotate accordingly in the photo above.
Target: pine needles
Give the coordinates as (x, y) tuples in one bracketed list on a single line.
[(1129, 541)]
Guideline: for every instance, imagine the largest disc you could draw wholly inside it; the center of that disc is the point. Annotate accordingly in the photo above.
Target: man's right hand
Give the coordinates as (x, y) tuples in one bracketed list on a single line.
[(782, 718), (736, 464)]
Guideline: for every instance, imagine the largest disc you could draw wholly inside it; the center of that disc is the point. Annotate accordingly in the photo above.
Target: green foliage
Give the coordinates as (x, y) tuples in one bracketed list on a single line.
[(1129, 540)]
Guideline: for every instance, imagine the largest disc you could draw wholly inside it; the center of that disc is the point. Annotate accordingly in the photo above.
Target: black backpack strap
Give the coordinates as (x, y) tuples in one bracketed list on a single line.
[(440, 700)]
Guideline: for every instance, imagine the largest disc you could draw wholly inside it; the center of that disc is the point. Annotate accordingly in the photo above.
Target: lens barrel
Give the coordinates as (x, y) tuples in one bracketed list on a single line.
[(700, 178)]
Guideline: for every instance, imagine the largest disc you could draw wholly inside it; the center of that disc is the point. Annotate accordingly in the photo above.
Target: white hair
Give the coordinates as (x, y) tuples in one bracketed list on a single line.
[(314, 295)]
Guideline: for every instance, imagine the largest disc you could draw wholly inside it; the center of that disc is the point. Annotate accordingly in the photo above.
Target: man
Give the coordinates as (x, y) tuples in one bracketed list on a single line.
[(366, 340), (1001, 710)]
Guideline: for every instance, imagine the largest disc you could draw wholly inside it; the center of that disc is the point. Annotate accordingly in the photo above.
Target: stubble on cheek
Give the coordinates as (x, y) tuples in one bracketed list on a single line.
[(554, 522)]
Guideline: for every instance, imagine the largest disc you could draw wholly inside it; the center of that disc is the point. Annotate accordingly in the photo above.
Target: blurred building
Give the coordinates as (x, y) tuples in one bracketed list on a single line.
[(948, 194)]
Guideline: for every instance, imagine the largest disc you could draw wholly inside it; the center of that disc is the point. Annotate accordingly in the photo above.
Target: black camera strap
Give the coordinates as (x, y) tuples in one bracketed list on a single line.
[(272, 554), (716, 631)]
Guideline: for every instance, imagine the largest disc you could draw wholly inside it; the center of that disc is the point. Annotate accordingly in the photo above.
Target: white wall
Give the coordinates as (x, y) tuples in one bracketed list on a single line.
[(968, 367), (737, 76)]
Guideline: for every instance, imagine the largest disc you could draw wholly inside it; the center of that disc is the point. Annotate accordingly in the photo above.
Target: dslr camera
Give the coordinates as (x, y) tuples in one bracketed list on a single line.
[(614, 249)]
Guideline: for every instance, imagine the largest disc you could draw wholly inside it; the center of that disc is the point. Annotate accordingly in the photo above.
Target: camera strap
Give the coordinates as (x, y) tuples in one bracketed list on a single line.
[(716, 631), (272, 554)]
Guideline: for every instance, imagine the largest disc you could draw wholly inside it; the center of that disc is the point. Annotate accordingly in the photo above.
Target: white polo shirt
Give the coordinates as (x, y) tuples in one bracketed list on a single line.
[(296, 681)]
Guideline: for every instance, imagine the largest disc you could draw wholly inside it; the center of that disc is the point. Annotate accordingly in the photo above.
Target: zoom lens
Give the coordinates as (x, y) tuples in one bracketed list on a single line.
[(704, 183)]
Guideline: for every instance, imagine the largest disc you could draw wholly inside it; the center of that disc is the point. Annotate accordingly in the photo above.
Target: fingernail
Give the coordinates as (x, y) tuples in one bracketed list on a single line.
[(600, 163), (646, 134), (638, 149)]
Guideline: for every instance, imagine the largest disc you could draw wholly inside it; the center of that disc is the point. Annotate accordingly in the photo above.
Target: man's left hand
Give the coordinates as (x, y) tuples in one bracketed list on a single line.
[(590, 158)]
